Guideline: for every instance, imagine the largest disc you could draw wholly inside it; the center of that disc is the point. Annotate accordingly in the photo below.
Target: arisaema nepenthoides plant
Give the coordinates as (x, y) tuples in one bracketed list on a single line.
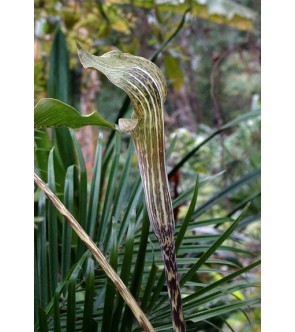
[(145, 85)]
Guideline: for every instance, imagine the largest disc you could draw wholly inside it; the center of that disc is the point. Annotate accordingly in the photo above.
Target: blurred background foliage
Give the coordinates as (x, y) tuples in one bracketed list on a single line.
[(212, 66)]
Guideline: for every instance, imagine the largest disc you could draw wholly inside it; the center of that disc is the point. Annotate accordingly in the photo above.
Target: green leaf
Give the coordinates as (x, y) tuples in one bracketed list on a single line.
[(51, 112), (59, 74), (36, 288), (43, 320), (95, 188), (109, 197), (59, 88), (82, 193), (133, 201), (205, 314), (149, 285), (89, 297), (110, 289), (212, 249), (42, 149), (72, 275), (125, 271), (188, 217), (216, 198), (127, 319), (71, 306), (117, 208), (219, 282), (42, 253), (52, 229), (56, 313), (171, 148), (67, 230)]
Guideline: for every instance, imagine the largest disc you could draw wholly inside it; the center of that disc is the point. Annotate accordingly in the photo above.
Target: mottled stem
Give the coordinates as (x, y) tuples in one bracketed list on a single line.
[(168, 255)]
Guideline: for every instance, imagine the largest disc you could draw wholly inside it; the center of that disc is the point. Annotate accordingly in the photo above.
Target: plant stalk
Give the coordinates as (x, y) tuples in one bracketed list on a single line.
[(127, 296), (159, 205), (169, 258)]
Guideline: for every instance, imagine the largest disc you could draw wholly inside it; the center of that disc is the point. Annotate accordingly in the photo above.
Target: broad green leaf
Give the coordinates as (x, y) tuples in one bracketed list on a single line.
[(51, 112)]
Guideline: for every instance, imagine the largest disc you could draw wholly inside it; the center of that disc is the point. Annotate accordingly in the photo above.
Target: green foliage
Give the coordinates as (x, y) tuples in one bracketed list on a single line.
[(106, 195), (82, 291)]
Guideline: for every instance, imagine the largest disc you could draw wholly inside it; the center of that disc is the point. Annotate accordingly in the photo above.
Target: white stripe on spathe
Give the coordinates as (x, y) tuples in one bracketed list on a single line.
[(165, 218), (157, 150)]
